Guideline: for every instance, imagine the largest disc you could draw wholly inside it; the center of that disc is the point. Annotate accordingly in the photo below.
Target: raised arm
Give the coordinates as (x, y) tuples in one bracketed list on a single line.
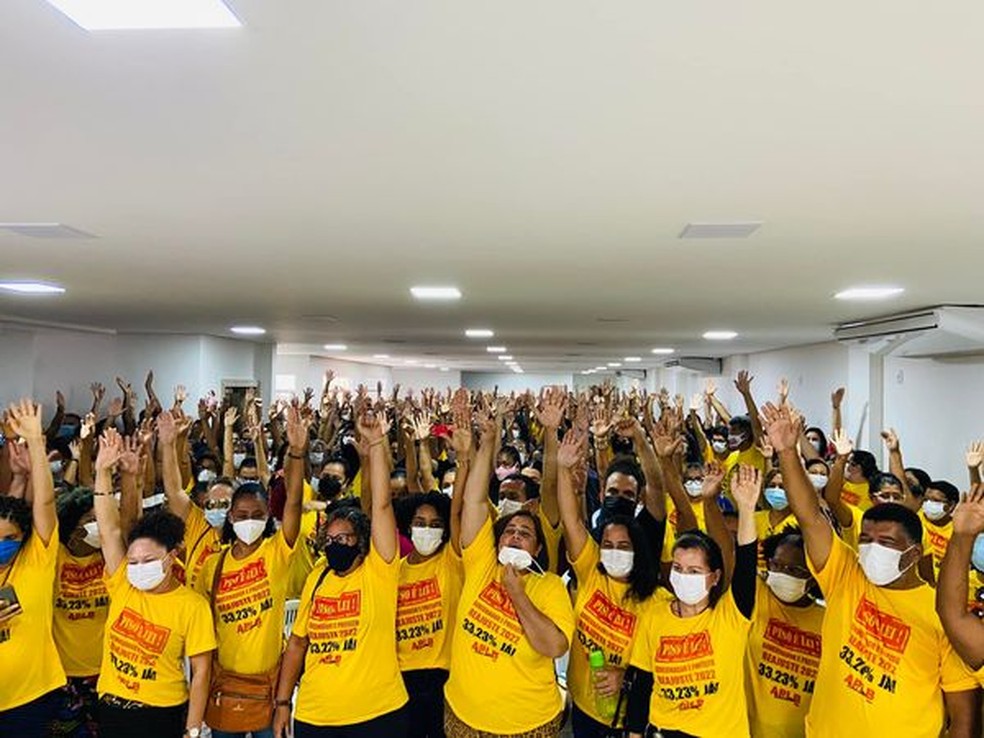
[(297, 437), (230, 418), (177, 501), (475, 505), (711, 394), (461, 441), (25, 418), (421, 438), (570, 453), (130, 464), (666, 450), (832, 492), (746, 488), (717, 528), (104, 503), (975, 457), (601, 428), (744, 386), (836, 399), (653, 496), (897, 467), (384, 538), (550, 414), (51, 433), (964, 629), (783, 432), (259, 451)]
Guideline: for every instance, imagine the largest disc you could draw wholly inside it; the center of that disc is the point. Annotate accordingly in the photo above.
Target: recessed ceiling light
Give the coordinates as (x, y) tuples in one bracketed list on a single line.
[(512, 363), (633, 359), (504, 357), (430, 366), (44, 230), (445, 369), (663, 351), (335, 347), (614, 364), (869, 293), (32, 288), (409, 361), (496, 349), (108, 15), (720, 335), (517, 369), (248, 330), (737, 229), (600, 368), (436, 293), (380, 356), (479, 333)]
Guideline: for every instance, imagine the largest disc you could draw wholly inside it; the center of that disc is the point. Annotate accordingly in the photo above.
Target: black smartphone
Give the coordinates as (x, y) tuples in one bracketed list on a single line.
[(8, 597)]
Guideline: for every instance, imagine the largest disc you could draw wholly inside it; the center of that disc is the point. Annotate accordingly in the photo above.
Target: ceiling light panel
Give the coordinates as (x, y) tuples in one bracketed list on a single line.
[(32, 288), (720, 335), (869, 293), (737, 229), (436, 293), (117, 15), (479, 333), (248, 330), (44, 230)]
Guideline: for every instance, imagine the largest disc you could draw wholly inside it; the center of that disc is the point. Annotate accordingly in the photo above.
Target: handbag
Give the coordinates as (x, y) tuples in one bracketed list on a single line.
[(238, 703)]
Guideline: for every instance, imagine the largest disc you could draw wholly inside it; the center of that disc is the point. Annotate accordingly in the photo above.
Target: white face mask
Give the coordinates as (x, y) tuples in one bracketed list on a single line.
[(449, 490), (693, 487), (617, 563), (216, 516), (248, 531), (508, 507), (933, 509), (146, 576), (691, 589), (314, 482), (787, 588), (316, 458), (719, 446), (819, 481), (153, 501), (207, 475), (426, 540), (56, 468), (238, 459), (818, 446), (881, 564), (92, 534), (520, 558)]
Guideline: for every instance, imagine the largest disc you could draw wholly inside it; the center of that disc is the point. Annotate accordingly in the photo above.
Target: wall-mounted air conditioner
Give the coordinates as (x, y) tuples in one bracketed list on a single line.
[(933, 332), (698, 364)]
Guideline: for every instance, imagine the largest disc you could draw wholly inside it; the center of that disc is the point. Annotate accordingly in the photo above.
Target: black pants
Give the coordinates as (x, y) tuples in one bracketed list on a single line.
[(32, 720), (585, 726), (391, 725), (145, 722), (426, 706), (655, 733)]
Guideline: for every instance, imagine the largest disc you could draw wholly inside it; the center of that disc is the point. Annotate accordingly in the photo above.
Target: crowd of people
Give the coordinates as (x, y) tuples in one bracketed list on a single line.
[(468, 564)]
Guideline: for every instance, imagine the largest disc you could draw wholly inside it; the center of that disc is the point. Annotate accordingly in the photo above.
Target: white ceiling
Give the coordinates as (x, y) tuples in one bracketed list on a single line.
[(542, 156)]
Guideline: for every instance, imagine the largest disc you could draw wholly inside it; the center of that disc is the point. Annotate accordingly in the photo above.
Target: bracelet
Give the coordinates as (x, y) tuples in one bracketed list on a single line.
[(101, 494), (282, 703), (378, 441), (295, 456)]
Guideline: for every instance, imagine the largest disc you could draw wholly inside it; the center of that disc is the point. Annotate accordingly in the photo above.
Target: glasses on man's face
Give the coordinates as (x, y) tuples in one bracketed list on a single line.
[(346, 539), (217, 504), (792, 570)]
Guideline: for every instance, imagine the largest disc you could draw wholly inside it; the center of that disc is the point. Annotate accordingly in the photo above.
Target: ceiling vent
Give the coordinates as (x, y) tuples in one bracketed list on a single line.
[(44, 230), (738, 229), (928, 333), (699, 364)]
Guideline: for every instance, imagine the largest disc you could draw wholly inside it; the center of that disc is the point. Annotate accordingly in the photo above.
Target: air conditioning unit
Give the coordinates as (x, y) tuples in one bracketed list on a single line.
[(932, 332), (698, 364)]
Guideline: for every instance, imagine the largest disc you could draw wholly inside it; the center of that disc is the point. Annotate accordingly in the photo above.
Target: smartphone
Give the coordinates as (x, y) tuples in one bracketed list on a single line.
[(8, 597)]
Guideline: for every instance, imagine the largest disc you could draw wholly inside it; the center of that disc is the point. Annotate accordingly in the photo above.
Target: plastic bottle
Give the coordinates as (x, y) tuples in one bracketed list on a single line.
[(604, 704)]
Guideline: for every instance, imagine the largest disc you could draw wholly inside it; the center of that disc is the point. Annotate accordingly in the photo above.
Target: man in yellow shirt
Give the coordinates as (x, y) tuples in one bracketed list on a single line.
[(936, 510), (887, 667)]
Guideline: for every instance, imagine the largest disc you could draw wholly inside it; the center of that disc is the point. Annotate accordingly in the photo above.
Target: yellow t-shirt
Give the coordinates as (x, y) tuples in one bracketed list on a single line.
[(81, 608), (425, 609), (201, 541), (606, 620), (749, 457), (851, 534), (305, 552), (781, 665), (29, 663), (249, 606), (493, 663), (552, 534), (697, 665), (147, 637), (764, 528), (350, 669), (976, 583), (885, 657), (935, 540), (671, 530), (856, 494)]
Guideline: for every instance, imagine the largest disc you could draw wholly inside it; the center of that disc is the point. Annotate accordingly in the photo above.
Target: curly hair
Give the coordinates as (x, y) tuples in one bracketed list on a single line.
[(17, 512), (160, 526), (357, 519), (247, 489), (71, 507)]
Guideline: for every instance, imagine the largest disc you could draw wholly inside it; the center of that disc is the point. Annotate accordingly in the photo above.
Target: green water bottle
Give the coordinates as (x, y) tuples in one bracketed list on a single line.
[(604, 704)]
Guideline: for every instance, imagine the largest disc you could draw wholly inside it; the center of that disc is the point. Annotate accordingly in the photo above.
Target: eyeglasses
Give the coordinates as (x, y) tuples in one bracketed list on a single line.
[(424, 524), (523, 533), (346, 539), (791, 569), (217, 504)]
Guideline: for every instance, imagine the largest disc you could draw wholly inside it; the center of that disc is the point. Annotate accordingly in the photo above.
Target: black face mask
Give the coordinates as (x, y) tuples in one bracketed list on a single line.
[(341, 557), (617, 505), (329, 488)]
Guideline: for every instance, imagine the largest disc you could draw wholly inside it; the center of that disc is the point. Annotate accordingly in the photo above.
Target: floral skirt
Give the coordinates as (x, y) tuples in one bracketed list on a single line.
[(455, 727)]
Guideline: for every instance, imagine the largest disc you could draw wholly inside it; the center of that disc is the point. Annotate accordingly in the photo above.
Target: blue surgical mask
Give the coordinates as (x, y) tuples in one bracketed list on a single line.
[(977, 558), (216, 516), (8, 549), (776, 497)]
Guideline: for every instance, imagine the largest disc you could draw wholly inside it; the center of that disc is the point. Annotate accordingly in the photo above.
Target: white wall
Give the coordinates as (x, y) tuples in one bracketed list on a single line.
[(37, 361), (294, 372), (512, 382)]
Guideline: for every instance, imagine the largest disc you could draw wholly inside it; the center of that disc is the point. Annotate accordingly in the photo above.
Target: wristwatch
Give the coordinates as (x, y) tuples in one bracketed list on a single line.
[(193, 732)]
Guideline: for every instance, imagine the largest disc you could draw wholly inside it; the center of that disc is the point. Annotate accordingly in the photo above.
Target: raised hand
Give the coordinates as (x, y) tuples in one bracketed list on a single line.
[(601, 421), (75, 447), (975, 454), (746, 487), (421, 427), (710, 388), (98, 392), (180, 395), (115, 408), (129, 460), (60, 400), (968, 515), (571, 449), (843, 444), (88, 426), (781, 426), (743, 383), (370, 428), (20, 459), (783, 391), (25, 419), (891, 439), (696, 403), (231, 416), (553, 404), (110, 450), (297, 430), (167, 431), (308, 395), (713, 481), (837, 397), (667, 445)]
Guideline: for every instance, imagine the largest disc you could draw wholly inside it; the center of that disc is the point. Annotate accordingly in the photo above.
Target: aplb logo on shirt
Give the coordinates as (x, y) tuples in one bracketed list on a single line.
[(685, 648), (792, 638), (890, 630), (246, 576), (495, 596), (76, 576), (417, 592), (610, 614), (346, 605), (144, 633)]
